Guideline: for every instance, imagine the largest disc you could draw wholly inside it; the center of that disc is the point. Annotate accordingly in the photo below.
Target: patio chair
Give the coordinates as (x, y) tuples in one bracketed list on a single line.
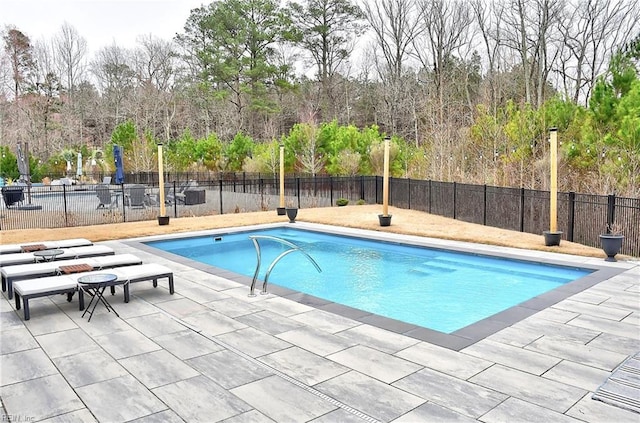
[(136, 196), (105, 196), (106, 180), (180, 195)]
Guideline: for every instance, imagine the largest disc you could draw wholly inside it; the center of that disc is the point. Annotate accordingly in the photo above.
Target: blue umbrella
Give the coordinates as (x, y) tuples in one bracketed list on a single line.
[(117, 156)]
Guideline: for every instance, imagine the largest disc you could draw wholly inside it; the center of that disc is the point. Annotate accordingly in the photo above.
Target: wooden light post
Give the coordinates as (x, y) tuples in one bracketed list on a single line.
[(385, 217), (553, 236), (163, 219), (281, 209)]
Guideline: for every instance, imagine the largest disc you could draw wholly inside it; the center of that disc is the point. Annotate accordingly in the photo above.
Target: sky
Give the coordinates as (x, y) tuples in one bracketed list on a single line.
[(100, 22)]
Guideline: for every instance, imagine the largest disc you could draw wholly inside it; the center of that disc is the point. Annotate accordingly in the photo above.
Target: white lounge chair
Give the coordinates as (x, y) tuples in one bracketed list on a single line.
[(68, 284), (69, 253), (48, 245), (12, 274)]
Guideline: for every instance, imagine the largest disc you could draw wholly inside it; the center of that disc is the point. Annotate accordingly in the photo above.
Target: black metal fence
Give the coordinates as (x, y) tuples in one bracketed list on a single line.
[(581, 217)]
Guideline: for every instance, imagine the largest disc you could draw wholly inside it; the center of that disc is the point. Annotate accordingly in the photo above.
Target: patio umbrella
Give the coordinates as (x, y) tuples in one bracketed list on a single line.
[(23, 164), (79, 166), (117, 156)]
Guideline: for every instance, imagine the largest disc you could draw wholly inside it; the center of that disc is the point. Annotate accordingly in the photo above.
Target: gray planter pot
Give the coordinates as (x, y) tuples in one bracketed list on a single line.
[(291, 214), (552, 238), (163, 220), (281, 211), (611, 245), (384, 220)]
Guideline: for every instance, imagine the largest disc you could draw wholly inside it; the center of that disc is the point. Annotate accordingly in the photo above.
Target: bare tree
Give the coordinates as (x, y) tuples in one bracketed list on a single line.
[(112, 68), (70, 54)]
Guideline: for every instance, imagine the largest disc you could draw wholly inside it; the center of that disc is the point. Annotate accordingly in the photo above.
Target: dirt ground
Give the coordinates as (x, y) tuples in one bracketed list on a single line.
[(409, 222)]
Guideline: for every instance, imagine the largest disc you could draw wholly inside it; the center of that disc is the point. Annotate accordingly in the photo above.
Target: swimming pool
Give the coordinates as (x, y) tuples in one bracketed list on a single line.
[(442, 290)]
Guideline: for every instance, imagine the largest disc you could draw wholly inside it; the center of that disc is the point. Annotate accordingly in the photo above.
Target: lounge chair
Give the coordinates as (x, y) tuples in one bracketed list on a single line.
[(69, 253), (44, 245), (136, 196), (180, 195), (11, 274), (106, 197), (68, 284)]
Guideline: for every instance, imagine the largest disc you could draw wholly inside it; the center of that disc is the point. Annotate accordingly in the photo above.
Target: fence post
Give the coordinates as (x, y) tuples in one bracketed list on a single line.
[(484, 205), (455, 198), (409, 192), (330, 191), (362, 188), (298, 190), (221, 208), (521, 209), (377, 190), (611, 211), (430, 196), (571, 217), (175, 200), (244, 182), (64, 196)]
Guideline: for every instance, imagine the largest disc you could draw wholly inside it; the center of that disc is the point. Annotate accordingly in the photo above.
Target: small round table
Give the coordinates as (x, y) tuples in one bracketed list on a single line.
[(46, 255), (94, 285)]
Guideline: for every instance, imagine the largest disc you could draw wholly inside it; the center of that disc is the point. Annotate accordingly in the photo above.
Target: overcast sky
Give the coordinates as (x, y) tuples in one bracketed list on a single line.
[(100, 22)]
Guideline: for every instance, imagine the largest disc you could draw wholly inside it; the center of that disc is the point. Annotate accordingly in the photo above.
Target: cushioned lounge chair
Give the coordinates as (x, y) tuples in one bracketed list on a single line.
[(69, 253), (68, 284), (12, 274), (47, 245)]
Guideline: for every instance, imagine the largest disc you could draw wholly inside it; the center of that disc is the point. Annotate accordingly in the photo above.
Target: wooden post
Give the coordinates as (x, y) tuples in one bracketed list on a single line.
[(553, 197), (385, 181), (161, 180), (281, 175)]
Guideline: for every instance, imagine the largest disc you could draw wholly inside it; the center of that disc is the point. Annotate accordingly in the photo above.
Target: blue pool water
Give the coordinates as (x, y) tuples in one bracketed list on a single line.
[(436, 289)]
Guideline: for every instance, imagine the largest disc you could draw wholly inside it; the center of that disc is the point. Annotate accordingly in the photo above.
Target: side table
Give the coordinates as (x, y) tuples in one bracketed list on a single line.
[(94, 285), (46, 255)]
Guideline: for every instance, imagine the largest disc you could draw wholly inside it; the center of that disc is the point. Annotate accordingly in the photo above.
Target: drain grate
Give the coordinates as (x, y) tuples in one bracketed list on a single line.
[(622, 388)]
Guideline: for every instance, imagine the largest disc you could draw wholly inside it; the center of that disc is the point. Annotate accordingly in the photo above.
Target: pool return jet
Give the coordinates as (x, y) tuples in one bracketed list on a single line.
[(255, 239)]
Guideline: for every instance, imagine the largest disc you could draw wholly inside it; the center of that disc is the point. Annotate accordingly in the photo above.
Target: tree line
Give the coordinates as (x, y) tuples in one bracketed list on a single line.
[(467, 90)]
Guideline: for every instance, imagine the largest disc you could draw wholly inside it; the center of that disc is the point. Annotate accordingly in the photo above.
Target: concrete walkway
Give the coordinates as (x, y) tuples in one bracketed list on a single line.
[(210, 353)]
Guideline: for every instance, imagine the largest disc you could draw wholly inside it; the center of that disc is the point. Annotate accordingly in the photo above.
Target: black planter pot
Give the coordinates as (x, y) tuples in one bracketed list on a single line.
[(291, 214), (384, 220), (281, 211), (552, 238), (163, 220), (611, 245)]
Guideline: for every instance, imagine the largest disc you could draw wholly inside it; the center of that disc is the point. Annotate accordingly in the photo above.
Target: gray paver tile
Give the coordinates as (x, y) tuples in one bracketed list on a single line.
[(135, 307), (577, 375), (39, 399), (213, 323), (518, 358), (338, 415), (303, 365), (577, 352), (157, 368), (620, 344), (253, 342), (182, 307), (167, 416), (604, 310), (103, 323), (155, 324), (187, 344), (126, 343), (444, 360), (545, 393), (281, 400), (68, 342), (199, 399), (515, 410), (49, 319), (557, 314), (234, 307), (558, 330), (132, 398), (10, 320), (269, 322), (325, 321), (79, 416), (515, 336), (316, 341), (202, 294), (16, 339), (590, 410), (430, 412), (457, 395), (377, 338), (89, 367), (252, 416), (229, 370), (284, 307), (608, 326), (370, 396), (25, 365), (382, 366)]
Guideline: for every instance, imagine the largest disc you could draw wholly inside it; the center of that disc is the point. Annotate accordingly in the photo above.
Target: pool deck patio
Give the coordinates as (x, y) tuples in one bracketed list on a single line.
[(210, 353)]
